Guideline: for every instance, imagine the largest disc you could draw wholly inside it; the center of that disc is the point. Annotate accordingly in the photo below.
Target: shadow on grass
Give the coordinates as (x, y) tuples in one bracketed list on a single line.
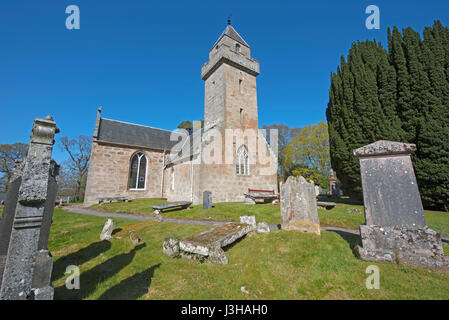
[(117, 230), (352, 239), (341, 200), (131, 288), (90, 279), (79, 257)]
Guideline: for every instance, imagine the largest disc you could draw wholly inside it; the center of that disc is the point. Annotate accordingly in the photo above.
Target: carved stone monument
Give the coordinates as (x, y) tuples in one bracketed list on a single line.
[(25, 262), (207, 200), (298, 206), (395, 227)]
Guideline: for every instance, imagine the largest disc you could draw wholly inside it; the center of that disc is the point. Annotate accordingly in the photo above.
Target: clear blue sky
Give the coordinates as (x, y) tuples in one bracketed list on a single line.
[(141, 60)]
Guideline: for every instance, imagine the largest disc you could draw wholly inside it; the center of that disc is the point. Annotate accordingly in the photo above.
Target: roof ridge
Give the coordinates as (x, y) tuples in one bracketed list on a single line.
[(141, 125)]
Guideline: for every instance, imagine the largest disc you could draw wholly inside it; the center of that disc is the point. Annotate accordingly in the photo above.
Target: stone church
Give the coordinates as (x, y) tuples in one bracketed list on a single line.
[(137, 161)]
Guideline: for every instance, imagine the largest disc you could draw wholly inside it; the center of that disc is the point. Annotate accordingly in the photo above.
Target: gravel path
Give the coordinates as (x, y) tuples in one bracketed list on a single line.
[(76, 209)]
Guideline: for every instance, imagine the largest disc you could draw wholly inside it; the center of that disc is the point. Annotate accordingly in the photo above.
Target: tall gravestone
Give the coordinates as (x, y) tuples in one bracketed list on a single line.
[(298, 206), (26, 264), (207, 199), (395, 227)]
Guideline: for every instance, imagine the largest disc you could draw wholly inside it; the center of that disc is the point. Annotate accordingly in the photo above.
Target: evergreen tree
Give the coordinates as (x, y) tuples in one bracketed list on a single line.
[(362, 109), (399, 95)]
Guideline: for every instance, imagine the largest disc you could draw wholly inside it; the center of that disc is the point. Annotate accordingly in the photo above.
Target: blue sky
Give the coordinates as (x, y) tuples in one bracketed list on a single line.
[(141, 60)]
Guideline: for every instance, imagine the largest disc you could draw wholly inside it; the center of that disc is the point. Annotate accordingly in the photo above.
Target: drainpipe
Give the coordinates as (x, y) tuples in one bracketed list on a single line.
[(191, 179), (162, 174)]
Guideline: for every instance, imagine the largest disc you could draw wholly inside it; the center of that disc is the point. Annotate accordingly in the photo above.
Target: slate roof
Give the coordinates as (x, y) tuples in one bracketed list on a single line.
[(114, 131), (230, 32)]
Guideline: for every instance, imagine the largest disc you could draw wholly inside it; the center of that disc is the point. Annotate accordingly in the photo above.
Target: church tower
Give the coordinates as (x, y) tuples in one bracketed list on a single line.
[(230, 99)]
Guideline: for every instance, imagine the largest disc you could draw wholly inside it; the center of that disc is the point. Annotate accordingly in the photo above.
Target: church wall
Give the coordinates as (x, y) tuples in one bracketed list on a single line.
[(227, 186), (214, 97), (241, 94), (184, 181), (109, 171)]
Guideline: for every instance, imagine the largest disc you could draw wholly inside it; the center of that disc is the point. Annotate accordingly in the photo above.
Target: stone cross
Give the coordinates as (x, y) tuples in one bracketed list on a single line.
[(395, 228), (207, 199), (298, 206), (27, 264)]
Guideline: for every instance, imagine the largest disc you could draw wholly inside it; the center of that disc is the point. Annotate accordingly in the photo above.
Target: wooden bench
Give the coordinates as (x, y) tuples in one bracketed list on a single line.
[(112, 199), (326, 205), (264, 195), (158, 208)]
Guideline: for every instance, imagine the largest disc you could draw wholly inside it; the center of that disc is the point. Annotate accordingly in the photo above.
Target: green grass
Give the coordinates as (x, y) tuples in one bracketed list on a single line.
[(339, 216), (282, 265), (231, 211)]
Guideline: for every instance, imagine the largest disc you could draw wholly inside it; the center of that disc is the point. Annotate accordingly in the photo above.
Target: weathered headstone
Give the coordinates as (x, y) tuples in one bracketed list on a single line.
[(106, 233), (298, 206), (170, 247), (28, 212), (395, 228), (207, 199), (263, 227)]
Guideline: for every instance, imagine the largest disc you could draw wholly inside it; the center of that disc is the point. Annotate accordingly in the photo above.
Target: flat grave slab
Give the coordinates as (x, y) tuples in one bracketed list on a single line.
[(326, 205), (170, 205), (216, 237)]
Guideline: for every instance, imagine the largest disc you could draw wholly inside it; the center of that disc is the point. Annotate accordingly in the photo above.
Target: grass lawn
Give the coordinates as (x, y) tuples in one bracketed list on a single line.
[(231, 211), (282, 265)]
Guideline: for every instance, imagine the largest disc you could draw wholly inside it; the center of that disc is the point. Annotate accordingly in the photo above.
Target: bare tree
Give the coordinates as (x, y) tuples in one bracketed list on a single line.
[(79, 155), (9, 153)]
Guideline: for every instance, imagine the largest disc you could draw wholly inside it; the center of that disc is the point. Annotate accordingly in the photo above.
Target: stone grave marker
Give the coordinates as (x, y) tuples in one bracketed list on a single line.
[(298, 206), (395, 229), (27, 265), (106, 233), (207, 199)]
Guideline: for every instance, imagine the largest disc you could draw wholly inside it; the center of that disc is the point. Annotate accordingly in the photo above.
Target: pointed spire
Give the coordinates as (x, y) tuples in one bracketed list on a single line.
[(230, 32)]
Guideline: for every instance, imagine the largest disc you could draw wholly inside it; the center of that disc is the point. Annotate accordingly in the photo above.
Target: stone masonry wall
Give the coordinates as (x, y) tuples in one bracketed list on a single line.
[(109, 171), (183, 182)]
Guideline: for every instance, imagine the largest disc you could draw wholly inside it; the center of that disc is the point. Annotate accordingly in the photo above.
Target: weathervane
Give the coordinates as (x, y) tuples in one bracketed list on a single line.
[(229, 19)]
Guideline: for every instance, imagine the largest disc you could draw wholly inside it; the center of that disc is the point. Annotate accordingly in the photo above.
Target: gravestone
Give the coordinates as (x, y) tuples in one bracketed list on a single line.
[(106, 233), (298, 206), (27, 265), (263, 227), (395, 227), (207, 200)]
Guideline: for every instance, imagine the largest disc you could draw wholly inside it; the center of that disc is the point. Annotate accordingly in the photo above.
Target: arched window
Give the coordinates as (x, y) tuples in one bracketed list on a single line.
[(242, 161), (138, 171), (237, 47)]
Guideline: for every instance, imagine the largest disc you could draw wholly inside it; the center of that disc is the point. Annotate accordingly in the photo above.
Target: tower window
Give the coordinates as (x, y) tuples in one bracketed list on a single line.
[(240, 85), (237, 47), (242, 161), (241, 116), (137, 172)]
